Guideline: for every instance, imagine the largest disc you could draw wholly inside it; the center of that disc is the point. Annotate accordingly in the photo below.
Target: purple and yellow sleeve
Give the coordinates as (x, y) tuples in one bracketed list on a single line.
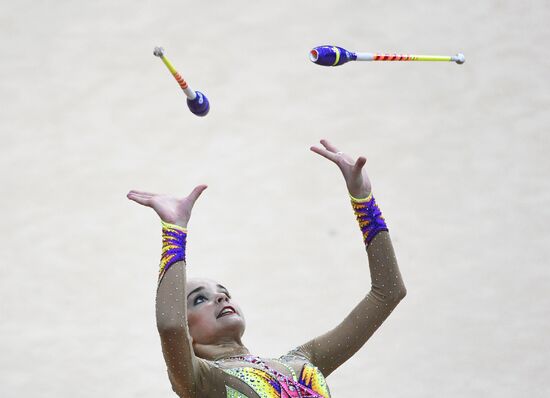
[(174, 239), (369, 217)]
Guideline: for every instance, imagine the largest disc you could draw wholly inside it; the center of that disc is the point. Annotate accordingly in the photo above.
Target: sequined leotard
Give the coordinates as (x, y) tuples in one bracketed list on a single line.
[(299, 373)]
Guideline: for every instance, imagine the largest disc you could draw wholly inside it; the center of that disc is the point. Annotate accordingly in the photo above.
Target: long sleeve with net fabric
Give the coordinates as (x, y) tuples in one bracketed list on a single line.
[(335, 347), (186, 371)]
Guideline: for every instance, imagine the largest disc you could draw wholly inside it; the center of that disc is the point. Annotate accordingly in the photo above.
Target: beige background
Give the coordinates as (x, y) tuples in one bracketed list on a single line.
[(457, 155)]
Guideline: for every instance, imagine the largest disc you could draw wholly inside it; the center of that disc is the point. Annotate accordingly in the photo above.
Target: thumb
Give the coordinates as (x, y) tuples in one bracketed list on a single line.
[(359, 164), (196, 192)]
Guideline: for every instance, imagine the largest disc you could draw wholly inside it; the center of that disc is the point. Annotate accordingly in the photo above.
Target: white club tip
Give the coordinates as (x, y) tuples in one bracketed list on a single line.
[(460, 58), (313, 55), (158, 52)]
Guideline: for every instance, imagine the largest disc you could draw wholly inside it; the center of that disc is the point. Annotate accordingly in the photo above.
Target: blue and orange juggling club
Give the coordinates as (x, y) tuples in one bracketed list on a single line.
[(335, 56), (196, 101)]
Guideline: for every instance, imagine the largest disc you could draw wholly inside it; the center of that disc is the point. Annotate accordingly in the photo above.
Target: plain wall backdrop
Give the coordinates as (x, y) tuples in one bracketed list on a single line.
[(458, 157)]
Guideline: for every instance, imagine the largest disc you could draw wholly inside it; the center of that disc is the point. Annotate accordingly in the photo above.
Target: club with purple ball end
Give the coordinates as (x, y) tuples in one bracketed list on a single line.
[(336, 56), (196, 101)]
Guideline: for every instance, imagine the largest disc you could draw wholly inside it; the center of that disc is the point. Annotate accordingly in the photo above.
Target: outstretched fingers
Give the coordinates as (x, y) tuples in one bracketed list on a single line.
[(141, 198), (327, 154), (142, 193), (329, 146)]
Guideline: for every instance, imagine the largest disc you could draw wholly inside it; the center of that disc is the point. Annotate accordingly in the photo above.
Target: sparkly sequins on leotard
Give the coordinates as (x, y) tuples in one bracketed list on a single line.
[(269, 383), (231, 393)]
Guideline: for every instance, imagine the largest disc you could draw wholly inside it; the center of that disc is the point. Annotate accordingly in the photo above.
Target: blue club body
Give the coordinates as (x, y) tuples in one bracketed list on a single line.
[(200, 105), (331, 55)]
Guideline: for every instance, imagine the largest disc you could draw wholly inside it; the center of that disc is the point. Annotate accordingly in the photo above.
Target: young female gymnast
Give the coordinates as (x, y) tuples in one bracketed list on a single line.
[(201, 326)]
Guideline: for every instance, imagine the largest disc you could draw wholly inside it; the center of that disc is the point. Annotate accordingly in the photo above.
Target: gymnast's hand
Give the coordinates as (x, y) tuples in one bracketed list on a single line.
[(170, 209), (357, 180)]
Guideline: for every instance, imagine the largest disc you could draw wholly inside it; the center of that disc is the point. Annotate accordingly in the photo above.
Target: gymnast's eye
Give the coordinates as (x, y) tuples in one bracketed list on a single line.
[(199, 299)]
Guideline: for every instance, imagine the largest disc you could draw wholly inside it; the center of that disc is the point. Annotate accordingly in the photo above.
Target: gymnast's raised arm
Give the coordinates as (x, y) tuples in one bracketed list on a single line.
[(184, 368), (333, 348)]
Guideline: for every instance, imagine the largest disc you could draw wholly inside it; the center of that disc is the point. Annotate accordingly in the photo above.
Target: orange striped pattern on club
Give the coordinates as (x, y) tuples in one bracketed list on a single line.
[(393, 57), (181, 82)]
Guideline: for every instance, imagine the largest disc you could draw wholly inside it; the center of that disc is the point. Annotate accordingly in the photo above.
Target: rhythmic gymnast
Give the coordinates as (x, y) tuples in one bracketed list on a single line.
[(201, 326)]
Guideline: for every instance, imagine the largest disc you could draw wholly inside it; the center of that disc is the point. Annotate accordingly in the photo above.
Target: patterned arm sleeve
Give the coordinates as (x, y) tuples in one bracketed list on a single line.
[(185, 371), (333, 348)]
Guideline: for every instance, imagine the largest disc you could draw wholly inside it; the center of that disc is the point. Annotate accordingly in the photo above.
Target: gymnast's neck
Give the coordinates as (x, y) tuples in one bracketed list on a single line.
[(214, 352)]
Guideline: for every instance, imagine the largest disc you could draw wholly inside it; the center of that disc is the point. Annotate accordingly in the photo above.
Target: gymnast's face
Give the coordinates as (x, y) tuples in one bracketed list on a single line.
[(213, 317)]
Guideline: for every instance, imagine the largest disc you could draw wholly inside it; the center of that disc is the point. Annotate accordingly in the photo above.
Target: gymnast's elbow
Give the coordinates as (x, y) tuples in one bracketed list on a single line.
[(393, 296), (396, 296), (400, 293)]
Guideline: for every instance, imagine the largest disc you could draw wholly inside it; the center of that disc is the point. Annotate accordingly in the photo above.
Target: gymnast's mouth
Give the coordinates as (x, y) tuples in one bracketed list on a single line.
[(227, 310)]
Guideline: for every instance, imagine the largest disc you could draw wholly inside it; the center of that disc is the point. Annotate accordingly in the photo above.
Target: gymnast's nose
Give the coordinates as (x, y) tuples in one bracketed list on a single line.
[(221, 297)]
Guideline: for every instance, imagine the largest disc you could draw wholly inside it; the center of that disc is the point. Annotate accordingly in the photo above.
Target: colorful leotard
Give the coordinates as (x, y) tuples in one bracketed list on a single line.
[(269, 383), (302, 371)]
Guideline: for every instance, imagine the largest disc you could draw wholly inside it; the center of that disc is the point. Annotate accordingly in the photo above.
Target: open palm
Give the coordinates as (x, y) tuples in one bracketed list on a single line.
[(170, 209), (356, 177)]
